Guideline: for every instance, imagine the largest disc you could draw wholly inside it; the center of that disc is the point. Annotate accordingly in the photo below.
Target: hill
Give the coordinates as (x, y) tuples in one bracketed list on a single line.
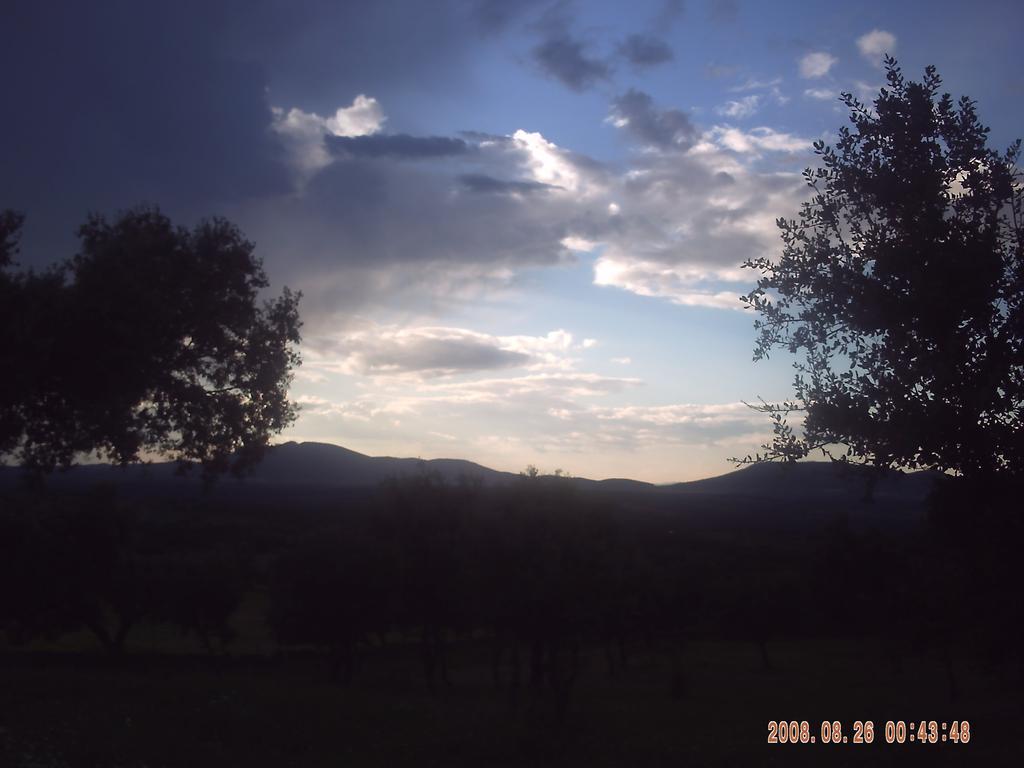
[(811, 479), (322, 468)]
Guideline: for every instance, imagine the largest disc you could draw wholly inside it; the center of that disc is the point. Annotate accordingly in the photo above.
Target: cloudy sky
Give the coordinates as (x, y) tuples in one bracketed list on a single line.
[(517, 226)]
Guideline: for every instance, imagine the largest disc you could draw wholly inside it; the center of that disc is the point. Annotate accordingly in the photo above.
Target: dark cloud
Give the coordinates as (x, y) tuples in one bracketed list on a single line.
[(484, 184), (119, 102), (565, 58), (645, 51), (319, 54), (664, 129), (396, 146), (110, 104)]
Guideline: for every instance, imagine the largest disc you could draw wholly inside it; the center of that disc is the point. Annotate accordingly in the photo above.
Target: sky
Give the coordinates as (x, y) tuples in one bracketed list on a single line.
[(518, 227)]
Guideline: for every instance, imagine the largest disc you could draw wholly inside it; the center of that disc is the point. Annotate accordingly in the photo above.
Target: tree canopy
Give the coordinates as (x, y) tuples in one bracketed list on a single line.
[(150, 341), (900, 288)]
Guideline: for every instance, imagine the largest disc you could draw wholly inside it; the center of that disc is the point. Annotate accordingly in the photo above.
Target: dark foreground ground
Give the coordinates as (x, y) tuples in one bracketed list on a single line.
[(868, 611), (81, 709)]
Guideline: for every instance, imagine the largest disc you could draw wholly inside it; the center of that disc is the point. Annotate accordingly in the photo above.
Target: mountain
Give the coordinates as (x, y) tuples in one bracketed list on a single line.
[(287, 466), (320, 467), (323, 464), (811, 479)]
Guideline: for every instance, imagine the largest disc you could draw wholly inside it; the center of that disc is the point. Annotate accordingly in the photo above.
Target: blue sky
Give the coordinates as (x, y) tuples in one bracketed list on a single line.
[(517, 226)]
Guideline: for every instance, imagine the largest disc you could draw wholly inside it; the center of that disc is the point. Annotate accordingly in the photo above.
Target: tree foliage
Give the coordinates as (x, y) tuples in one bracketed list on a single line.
[(150, 341), (900, 289)]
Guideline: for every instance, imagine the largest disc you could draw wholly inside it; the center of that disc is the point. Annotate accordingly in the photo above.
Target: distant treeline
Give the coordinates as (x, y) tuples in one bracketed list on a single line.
[(538, 570)]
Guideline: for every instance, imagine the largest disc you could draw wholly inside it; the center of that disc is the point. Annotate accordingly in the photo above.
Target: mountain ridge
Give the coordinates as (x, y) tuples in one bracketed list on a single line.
[(319, 465)]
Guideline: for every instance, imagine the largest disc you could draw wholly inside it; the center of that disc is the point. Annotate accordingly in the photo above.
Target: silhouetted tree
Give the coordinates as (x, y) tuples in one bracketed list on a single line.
[(150, 340), (10, 231), (901, 288)]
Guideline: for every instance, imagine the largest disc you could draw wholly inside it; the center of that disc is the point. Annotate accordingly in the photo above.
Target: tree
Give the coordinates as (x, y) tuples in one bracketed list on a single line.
[(901, 289), (150, 341), (10, 229)]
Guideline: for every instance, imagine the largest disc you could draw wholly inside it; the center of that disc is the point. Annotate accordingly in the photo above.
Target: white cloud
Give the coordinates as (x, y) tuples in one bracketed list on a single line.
[(822, 94), (547, 162), (622, 360), (816, 64), (684, 413), (675, 424), (756, 85), (558, 386), (581, 421), (660, 280), (556, 408), (770, 90), (687, 221), (350, 411), (571, 420), (875, 44), (363, 117), (757, 139), (744, 107), (580, 244), (302, 133)]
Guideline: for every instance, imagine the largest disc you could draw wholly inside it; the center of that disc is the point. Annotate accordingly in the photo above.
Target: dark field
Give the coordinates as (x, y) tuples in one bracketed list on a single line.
[(249, 710), (383, 627)]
